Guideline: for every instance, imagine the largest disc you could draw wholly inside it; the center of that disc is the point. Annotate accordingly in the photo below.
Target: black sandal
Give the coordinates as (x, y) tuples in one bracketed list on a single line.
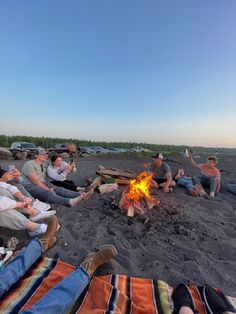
[(182, 297), (214, 303)]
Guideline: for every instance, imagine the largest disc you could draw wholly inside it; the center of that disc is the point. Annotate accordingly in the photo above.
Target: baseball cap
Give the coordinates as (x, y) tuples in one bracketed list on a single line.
[(158, 156), (42, 152)]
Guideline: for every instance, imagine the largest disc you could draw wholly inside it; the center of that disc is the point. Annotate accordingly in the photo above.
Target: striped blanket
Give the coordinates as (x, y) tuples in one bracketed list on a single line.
[(105, 294)]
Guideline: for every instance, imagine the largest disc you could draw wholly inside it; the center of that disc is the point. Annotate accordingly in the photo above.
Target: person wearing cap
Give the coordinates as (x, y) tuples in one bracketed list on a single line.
[(162, 176), (210, 175), (34, 180)]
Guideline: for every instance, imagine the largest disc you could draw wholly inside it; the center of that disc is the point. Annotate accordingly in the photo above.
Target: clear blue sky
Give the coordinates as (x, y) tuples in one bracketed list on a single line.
[(158, 71)]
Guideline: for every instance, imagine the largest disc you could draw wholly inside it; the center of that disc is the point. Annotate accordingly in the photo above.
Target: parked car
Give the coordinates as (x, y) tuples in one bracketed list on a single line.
[(85, 150), (23, 147), (115, 150), (70, 149), (140, 149)]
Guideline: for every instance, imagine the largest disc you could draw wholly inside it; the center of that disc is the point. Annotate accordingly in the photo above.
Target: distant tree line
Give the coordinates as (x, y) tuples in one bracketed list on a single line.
[(47, 142)]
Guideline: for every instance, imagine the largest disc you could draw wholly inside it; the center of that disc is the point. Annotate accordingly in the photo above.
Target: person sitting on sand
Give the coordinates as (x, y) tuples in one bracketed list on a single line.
[(162, 177), (34, 179), (188, 182), (14, 208), (58, 170), (210, 175), (14, 178)]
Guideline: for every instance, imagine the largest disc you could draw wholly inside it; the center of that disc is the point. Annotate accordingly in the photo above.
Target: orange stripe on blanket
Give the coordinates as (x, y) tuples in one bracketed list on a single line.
[(97, 296), (142, 296), (197, 300), (60, 271)]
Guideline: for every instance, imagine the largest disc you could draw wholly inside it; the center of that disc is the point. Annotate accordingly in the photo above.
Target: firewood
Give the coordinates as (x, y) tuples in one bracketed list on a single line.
[(130, 212), (106, 188), (149, 202), (114, 173), (116, 169), (121, 181), (97, 181)]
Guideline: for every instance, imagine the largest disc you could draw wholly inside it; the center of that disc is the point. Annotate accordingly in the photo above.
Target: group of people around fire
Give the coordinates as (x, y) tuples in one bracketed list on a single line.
[(25, 199), (25, 196)]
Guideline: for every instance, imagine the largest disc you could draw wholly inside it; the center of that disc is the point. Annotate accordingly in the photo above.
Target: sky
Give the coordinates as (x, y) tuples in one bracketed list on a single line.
[(154, 71)]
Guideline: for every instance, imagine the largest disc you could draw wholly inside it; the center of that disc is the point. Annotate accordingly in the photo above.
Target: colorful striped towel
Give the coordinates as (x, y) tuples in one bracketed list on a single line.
[(106, 294)]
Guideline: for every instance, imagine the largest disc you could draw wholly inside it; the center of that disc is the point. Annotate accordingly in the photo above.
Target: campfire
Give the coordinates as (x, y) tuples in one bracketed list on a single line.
[(136, 196)]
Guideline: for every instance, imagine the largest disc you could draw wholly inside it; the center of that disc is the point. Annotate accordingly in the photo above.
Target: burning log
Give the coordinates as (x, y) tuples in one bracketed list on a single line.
[(136, 196)]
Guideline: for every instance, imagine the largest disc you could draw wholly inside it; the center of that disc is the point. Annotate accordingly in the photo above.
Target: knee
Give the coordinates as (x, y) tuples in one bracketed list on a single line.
[(173, 183), (154, 184)]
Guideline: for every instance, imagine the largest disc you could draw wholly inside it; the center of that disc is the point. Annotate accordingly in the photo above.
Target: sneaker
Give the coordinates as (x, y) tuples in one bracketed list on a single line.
[(42, 215), (40, 205), (182, 297), (41, 229), (96, 259)]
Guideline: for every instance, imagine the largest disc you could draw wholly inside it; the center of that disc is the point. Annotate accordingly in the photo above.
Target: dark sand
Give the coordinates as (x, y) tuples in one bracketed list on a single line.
[(187, 239)]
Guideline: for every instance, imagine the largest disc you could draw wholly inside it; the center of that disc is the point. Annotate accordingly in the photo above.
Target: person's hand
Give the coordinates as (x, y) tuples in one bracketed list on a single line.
[(52, 190), (8, 176), (21, 205), (17, 174), (28, 201), (69, 167)]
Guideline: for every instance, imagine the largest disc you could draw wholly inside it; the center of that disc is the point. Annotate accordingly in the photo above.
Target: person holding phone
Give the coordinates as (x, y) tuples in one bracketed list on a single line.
[(59, 170)]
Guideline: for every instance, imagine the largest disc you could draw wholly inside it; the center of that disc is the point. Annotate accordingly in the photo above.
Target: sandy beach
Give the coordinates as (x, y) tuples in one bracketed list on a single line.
[(186, 239)]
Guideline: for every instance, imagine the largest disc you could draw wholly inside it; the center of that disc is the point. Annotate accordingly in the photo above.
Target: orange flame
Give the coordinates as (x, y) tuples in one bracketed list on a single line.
[(140, 187)]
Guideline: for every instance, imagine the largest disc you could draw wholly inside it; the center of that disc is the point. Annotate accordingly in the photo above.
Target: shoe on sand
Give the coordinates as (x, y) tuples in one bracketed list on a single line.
[(75, 201), (41, 229), (40, 205), (42, 215), (182, 297), (214, 303), (53, 226), (96, 259), (49, 239), (193, 192), (47, 243)]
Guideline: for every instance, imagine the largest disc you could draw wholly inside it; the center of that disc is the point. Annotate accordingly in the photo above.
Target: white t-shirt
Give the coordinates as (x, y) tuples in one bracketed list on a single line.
[(58, 173)]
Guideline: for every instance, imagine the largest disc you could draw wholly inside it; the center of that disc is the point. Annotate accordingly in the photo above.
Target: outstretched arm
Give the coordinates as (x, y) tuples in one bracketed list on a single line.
[(192, 162)]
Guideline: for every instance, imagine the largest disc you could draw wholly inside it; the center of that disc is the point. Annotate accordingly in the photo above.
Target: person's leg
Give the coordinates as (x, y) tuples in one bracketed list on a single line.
[(47, 196), (13, 219), (205, 182), (68, 185), (154, 184), (18, 267), (232, 188), (66, 193), (187, 183), (213, 186), (63, 295)]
